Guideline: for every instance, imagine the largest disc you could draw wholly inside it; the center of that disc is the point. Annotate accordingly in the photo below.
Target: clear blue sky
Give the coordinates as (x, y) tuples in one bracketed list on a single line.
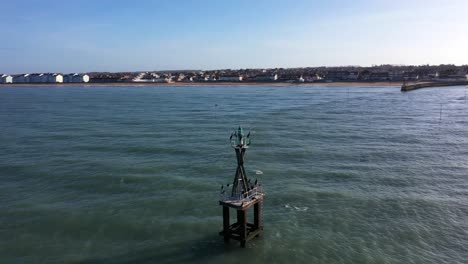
[(82, 36)]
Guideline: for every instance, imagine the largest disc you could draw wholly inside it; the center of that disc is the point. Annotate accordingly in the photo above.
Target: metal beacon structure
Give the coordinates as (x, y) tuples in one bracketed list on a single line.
[(243, 195)]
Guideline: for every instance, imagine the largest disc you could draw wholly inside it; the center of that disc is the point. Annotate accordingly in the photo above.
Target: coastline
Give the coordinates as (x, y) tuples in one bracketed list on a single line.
[(134, 84)]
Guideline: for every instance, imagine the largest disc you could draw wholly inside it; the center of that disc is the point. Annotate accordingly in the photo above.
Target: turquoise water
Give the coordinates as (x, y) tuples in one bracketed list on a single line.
[(132, 174)]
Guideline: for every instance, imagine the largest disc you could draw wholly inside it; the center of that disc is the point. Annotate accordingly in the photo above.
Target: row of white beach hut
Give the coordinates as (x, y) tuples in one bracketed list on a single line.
[(45, 78)]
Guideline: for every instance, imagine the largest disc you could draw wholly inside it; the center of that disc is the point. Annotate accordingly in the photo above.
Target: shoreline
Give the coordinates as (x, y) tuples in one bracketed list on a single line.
[(134, 84)]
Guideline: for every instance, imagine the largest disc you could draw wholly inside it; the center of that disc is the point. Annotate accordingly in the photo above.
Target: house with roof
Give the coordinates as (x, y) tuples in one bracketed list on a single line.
[(365, 75), (313, 78), (21, 78), (452, 75), (54, 78), (230, 78), (6, 78), (342, 75), (336, 75), (291, 77), (379, 76), (433, 75), (206, 78), (264, 77), (76, 78), (38, 78), (181, 77), (396, 75), (410, 76), (352, 76)]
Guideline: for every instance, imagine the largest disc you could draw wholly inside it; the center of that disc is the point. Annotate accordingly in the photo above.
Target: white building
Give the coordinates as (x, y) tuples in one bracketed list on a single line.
[(6, 79), (76, 78), (54, 78), (83, 77)]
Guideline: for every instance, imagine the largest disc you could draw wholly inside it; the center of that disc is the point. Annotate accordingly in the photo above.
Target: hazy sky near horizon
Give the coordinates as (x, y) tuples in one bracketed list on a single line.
[(85, 35)]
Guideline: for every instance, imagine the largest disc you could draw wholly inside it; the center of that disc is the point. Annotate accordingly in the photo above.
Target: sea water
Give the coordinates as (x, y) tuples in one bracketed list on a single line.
[(133, 174)]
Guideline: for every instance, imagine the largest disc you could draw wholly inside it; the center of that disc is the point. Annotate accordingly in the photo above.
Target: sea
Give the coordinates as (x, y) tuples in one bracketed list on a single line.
[(117, 174)]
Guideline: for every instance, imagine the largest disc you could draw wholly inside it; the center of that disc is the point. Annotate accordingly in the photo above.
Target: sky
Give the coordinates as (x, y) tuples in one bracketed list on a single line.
[(85, 36)]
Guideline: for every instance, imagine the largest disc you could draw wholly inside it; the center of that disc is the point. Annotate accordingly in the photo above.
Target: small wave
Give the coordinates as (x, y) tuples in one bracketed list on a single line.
[(297, 208), (301, 209)]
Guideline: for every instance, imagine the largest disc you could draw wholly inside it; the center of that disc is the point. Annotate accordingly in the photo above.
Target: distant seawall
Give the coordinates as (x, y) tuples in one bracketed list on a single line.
[(415, 86)]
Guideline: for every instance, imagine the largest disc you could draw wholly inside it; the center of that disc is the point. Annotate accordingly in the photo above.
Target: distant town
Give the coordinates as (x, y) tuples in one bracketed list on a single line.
[(380, 73)]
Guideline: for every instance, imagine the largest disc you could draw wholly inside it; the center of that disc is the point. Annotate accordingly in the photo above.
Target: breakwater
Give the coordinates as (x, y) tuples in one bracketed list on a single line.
[(410, 87)]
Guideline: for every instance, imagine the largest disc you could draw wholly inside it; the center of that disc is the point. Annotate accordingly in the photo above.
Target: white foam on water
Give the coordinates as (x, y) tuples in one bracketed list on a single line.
[(297, 208)]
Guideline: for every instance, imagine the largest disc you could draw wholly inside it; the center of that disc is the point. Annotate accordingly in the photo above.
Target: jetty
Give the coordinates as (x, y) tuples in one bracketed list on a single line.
[(414, 86)]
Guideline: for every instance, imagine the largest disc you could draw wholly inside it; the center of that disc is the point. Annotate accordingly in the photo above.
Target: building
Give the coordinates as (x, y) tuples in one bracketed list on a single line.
[(6, 79), (181, 77), (139, 78), (290, 77), (342, 75), (336, 75), (313, 78), (433, 75), (352, 76), (38, 78), (230, 78), (76, 78), (365, 75), (379, 76), (54, 78), (451, 77), (21, 78), (168, 78), (206, 78), (264, 77), (410, 76), (395, 75)]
